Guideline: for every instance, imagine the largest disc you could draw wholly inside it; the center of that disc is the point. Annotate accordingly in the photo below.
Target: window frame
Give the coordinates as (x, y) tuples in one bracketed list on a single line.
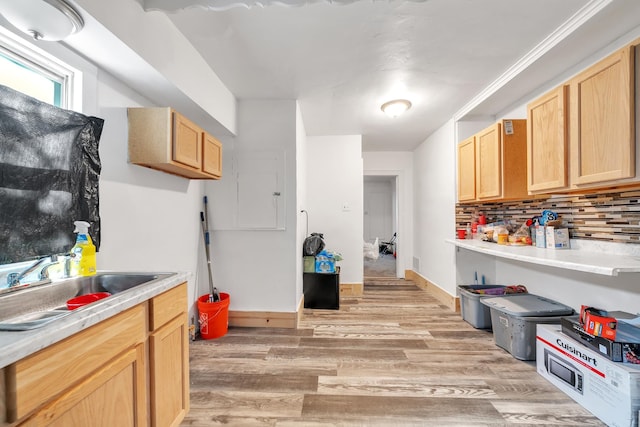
[(49, 66)]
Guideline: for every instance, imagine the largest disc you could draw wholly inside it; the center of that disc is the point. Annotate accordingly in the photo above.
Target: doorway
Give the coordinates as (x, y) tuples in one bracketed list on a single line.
[(381, 222)]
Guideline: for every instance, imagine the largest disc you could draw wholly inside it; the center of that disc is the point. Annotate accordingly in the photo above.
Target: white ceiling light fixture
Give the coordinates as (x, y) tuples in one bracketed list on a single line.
[(395, 107), (50, 20)]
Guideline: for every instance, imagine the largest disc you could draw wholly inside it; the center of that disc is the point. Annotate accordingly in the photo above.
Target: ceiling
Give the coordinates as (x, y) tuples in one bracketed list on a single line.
[(342, 61)]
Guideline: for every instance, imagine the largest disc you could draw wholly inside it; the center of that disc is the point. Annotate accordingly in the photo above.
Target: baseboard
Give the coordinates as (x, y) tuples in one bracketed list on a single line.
[(264, 319), (300, 311), (453, 302), (351, 289)]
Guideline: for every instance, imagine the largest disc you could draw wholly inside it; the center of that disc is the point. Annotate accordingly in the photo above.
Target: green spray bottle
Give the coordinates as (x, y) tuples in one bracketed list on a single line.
[(83, 261)]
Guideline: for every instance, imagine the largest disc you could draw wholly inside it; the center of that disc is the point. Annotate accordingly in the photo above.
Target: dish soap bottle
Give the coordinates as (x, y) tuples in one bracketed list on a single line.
[(83, 261)]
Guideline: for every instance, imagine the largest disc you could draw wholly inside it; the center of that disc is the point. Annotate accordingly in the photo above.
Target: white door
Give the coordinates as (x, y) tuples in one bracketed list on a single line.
[(378, 203)]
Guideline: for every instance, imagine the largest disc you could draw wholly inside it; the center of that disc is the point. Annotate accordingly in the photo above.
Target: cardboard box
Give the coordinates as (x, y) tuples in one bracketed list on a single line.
[(541, 241), (557, 238), (609, 390), (613, 351), (613, 325)]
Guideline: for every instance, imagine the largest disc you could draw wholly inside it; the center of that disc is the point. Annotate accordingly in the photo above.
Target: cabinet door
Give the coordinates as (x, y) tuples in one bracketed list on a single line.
[(113, 396), (467, 169), (212, 156), (187, 142), (52, 370), (547, 141), (489, 163), (602, 137), (169, 360)]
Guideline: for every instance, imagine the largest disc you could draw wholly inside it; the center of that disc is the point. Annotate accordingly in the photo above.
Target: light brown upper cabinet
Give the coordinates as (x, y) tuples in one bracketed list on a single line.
[(499, 169), (581, 135), (165, 140), (547, 141), (467, 169), (212, 156), (602, 134), (186, 142)]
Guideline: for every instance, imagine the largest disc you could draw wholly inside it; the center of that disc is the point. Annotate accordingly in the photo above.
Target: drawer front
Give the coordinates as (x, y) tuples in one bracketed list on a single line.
[(167, 305), (36, 379)]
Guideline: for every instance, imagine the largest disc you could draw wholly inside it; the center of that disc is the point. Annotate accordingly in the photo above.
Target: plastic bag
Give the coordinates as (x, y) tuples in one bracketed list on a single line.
[(372, 250), (313, 244)]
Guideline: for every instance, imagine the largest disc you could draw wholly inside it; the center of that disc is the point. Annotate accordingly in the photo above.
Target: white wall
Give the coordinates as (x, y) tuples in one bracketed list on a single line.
[(519, 108), (435, 199), (334, 198), (258, 268), (149, 218), (145, 50), (301, 196), (398, 164)]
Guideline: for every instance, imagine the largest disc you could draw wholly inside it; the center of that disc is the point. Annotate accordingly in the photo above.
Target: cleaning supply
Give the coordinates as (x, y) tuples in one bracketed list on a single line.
[(83, 253)]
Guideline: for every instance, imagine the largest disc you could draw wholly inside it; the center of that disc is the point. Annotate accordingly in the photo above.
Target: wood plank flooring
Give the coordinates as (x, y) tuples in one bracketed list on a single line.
[(394, 357)]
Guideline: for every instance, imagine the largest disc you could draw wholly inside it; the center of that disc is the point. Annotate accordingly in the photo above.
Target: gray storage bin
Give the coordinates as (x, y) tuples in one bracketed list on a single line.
[(474, 313), (514, 321)]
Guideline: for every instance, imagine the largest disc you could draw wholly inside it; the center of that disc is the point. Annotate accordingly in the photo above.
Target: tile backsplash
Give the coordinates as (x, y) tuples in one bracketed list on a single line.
[(612, 217)]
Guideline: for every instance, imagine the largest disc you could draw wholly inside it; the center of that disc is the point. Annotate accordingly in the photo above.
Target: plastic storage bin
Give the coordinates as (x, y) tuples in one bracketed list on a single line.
[(474, 313), (514, 319)]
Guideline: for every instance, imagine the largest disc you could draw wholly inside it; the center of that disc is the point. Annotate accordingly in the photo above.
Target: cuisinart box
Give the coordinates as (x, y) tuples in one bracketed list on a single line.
[(609, 390)]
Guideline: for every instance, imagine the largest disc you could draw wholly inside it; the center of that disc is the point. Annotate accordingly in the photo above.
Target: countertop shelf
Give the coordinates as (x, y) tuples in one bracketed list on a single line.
[(571, 259)]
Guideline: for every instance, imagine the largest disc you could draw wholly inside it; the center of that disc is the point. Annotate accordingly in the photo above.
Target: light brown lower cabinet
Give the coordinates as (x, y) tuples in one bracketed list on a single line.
[(169, 358), (119, 372), (113, 396)]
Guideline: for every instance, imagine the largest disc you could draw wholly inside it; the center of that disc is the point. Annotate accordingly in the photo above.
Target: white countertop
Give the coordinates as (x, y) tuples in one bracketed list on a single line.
[(16, 345), (605, 263)]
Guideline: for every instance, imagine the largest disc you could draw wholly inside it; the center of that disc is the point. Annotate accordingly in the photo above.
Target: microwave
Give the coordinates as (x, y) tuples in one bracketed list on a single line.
[(563, 370)]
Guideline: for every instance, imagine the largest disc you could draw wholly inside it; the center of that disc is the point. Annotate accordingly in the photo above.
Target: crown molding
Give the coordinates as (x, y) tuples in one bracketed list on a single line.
[(550, 42), (220, 5)]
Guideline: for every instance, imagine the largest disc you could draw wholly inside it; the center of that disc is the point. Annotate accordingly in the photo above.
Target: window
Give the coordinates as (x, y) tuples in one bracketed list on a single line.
[(55, 75), (30, 80), (25, 68)]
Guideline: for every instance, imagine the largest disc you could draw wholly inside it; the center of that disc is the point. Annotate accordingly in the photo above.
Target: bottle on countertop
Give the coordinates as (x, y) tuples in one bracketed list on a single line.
[(469, 235), (83, 261), (474, 226)]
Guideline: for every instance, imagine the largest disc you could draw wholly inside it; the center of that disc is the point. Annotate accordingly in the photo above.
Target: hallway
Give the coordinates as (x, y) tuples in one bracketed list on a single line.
[(384, 266), (394, 357)]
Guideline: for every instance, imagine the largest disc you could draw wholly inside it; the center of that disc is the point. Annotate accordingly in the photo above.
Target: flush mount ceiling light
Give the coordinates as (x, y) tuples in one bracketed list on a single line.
[(395, 107), (50, 20)]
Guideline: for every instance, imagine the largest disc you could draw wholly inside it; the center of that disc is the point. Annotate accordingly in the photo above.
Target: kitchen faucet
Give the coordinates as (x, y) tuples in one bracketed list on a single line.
[(14, 279)]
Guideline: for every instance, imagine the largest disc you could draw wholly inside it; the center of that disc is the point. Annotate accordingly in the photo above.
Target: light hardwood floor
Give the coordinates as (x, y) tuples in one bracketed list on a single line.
[(394, 357)]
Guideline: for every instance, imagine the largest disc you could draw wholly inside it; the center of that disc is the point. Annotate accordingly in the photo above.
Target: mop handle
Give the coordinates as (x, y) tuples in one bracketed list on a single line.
[(205, 233)]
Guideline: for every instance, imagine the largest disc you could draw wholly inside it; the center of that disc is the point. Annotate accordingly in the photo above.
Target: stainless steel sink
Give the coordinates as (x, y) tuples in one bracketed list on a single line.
[(35, 306)]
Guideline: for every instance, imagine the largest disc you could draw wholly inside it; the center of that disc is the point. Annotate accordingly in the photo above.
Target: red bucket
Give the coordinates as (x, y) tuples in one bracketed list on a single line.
[(213, 316)]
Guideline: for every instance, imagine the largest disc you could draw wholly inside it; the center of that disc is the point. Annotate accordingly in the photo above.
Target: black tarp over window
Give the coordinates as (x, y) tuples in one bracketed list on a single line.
[(49, 171)]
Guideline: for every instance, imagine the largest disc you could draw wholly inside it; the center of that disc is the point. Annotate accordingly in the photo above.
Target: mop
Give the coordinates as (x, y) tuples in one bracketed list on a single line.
[(214, 296)]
